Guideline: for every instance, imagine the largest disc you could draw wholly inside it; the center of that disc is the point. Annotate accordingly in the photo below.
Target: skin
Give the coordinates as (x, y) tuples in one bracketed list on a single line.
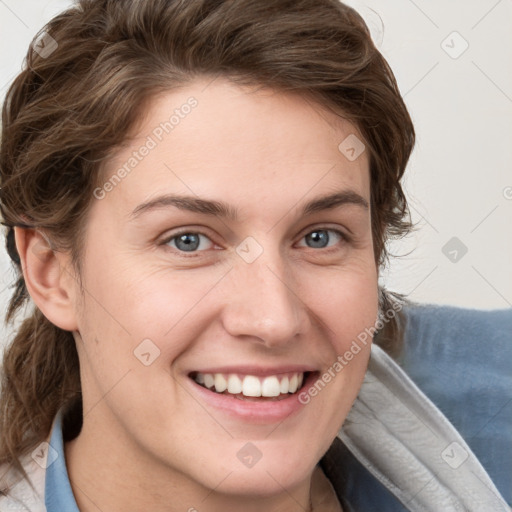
[(148, 442)]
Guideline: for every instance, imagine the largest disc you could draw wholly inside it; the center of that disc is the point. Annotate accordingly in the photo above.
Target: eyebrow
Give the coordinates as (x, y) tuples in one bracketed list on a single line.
[(223, 210)]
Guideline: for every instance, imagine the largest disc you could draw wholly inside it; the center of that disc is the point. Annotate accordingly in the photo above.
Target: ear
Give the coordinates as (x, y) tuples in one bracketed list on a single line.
[(49, 277)]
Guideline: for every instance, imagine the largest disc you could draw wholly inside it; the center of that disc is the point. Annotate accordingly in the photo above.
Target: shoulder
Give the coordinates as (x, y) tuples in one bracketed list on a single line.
[(461, 359)]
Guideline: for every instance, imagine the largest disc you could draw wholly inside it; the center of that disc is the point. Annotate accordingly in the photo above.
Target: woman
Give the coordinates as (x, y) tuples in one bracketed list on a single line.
[(198, 196)]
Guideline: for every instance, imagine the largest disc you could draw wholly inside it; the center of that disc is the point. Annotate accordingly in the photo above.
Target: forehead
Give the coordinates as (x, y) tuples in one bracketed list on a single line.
[(242, 143)]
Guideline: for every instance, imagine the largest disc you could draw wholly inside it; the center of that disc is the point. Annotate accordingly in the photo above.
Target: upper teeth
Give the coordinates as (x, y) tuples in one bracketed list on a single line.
[(249, 385)]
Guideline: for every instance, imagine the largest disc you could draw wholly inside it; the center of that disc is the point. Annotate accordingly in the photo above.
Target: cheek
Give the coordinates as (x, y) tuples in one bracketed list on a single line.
[(349, 311), (355, 316), (348, 303), (134, 310)]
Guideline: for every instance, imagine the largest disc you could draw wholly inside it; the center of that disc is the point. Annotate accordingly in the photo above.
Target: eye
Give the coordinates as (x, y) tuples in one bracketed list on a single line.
[(188, 241), (320, 238), (192, 241)]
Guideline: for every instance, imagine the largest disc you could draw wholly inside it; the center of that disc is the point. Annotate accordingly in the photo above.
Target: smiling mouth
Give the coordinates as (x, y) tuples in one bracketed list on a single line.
[(251, 387)]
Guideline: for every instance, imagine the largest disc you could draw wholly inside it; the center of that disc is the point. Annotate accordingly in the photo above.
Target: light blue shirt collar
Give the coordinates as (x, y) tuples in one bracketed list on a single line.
[(58, 493)]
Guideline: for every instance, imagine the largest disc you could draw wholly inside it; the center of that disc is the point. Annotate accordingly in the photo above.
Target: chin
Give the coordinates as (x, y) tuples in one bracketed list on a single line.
[(267, 477), (261, 483)]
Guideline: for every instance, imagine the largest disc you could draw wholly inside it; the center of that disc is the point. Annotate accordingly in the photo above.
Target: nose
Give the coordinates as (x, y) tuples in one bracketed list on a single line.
[(264, 303)]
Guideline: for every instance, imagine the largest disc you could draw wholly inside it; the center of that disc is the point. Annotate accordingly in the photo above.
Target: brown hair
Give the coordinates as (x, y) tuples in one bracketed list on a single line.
[(66, 112)]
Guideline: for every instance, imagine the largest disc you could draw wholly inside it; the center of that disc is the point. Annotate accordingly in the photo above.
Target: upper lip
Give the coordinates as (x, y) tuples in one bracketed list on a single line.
[(257, 371)]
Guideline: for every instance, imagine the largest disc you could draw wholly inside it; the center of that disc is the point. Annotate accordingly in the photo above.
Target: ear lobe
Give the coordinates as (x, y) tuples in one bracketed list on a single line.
[(48, 277)]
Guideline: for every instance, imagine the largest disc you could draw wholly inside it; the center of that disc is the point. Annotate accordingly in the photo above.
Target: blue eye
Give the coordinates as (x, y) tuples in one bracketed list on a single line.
[(187, 242), (320, 238), (191, 241)]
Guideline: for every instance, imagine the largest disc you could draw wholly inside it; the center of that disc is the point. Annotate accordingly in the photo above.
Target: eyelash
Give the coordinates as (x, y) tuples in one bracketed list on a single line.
[(344, 237)]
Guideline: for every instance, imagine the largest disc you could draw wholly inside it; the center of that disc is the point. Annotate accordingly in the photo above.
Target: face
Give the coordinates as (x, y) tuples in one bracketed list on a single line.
[(212, 260)]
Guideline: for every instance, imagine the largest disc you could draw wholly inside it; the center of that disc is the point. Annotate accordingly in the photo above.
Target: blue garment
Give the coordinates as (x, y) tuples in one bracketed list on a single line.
[(460, 358), (58, 494)]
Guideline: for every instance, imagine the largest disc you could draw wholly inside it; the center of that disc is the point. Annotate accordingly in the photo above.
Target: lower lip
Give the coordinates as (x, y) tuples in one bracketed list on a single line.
[(265, 411)]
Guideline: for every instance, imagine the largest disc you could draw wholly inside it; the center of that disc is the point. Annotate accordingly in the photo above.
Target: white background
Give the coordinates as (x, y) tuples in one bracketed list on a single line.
[(459, 180)]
